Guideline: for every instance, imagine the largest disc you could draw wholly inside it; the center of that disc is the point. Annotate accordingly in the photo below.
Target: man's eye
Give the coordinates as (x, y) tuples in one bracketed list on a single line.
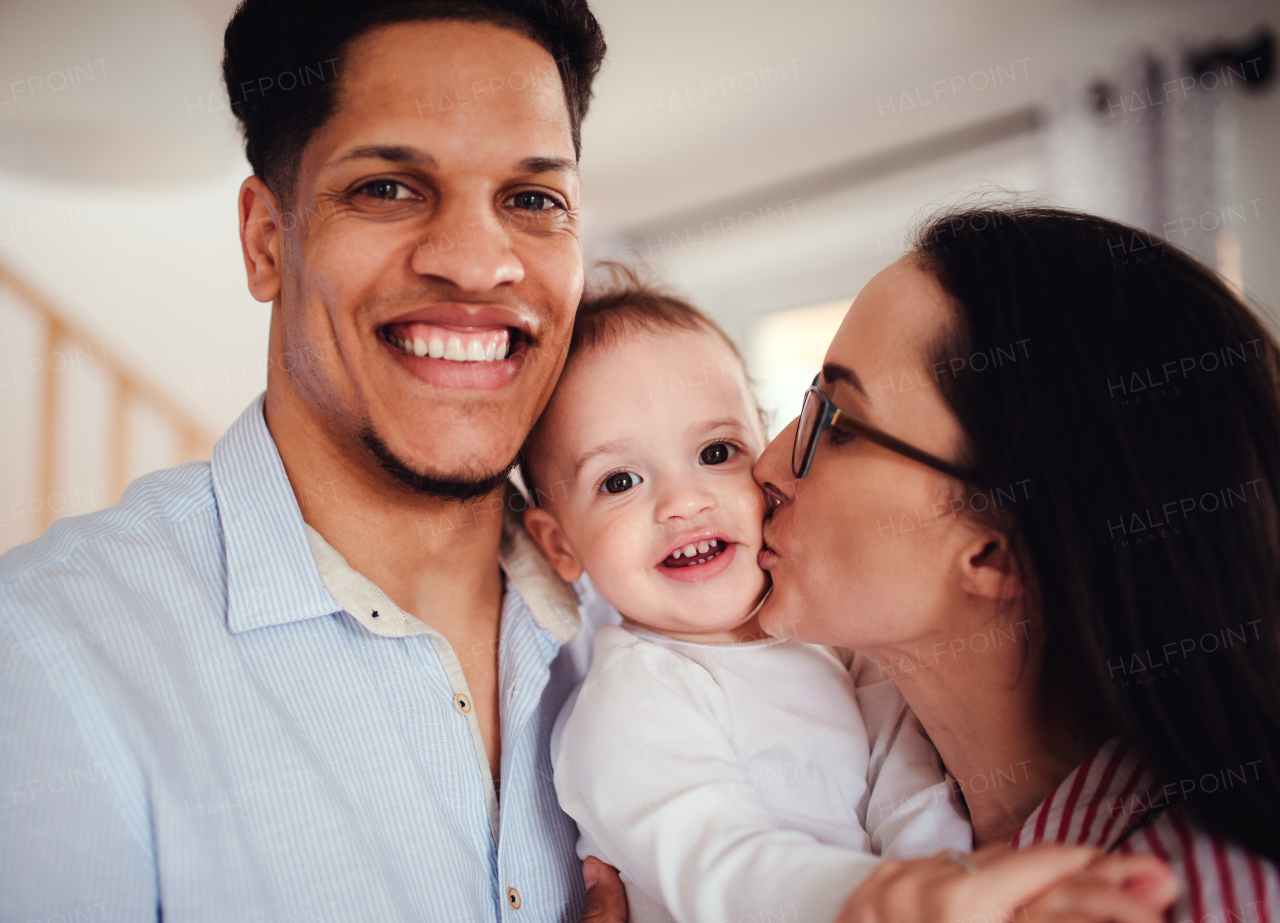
[(717, 454), (621, 482), (533, 201), (387, 189)]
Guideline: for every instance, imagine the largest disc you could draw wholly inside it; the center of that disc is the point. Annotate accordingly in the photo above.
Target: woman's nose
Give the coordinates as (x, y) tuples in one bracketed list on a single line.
[(773, 468)]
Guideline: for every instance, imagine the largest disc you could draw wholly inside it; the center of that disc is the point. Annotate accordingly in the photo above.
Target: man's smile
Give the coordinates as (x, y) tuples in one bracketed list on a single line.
[(461, 346), (452, 344)]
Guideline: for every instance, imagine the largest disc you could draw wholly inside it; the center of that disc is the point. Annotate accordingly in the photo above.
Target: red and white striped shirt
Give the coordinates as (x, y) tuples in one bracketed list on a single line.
[(1113, 801)]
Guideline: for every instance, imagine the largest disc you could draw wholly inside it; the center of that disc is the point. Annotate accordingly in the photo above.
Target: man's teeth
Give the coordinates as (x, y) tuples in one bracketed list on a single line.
[(493, 345), (689, 551)]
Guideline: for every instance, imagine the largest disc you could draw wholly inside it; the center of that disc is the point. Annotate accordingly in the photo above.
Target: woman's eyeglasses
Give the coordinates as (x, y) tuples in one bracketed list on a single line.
[(819, 413)]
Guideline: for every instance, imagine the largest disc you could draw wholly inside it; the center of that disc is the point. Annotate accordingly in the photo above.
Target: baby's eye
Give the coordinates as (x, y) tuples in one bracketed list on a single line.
[(718, 453), (620, 482)]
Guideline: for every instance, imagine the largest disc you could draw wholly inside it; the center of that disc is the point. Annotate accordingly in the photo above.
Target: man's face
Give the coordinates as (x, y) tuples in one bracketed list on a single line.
[(432, 261)]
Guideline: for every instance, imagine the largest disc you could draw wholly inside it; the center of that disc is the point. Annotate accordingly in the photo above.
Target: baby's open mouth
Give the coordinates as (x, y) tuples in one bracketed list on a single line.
[(697, 553)]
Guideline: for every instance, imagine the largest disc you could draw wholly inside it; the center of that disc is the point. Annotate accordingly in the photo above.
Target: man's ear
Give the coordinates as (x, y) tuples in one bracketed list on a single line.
[(989, 567), (260, 240), (553, 542)]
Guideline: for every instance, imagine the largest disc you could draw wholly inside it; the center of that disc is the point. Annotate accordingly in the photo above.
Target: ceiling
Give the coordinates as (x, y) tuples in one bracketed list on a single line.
[(697, 101), (700, 105)]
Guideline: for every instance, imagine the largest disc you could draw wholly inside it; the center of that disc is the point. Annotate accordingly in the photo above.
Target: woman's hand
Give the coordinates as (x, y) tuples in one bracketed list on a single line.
[(1126, 889), (1042, 884)]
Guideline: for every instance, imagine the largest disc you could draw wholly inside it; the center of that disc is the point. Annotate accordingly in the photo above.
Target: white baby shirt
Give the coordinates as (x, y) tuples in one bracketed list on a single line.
[(745, 781)]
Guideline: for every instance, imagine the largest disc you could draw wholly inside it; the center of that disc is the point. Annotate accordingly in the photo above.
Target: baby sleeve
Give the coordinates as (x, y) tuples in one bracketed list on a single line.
[(643, 764), (912, 808)]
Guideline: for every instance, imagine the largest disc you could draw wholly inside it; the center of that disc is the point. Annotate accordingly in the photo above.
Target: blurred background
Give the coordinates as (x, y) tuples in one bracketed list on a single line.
[(765, 158)]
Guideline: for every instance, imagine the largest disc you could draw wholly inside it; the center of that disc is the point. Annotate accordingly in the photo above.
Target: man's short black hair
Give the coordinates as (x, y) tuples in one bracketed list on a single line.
[(281, 62)]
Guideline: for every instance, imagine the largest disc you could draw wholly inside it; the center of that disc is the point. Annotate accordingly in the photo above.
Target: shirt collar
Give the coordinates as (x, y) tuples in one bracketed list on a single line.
[(551, 601), (271, 574), (1098, 803), (280, 570)]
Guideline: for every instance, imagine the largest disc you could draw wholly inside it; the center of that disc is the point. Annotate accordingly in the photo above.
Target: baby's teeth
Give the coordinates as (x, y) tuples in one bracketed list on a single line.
[(490, 351), (419, 348), (703, 547), (453, 350), (436, 348), (475, 352), (690, 551), (676, 555), (714, 542), (501, 352)]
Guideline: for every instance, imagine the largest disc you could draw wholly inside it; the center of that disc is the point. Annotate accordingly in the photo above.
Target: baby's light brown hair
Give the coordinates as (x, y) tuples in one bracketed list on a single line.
[(619, 303)]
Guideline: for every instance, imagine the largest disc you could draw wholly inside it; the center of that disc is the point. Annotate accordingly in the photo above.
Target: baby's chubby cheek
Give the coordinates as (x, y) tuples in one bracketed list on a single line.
[(618, 553)]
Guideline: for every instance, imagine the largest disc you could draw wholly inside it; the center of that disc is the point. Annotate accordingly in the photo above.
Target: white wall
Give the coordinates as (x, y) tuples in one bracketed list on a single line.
[(117, 196)]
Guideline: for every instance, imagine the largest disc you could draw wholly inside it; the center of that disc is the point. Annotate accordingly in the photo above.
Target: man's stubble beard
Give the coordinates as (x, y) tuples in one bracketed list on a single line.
[(456, 488)]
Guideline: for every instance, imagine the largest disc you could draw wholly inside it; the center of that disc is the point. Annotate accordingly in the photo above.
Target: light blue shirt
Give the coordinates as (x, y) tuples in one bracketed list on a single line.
[(202, 717)]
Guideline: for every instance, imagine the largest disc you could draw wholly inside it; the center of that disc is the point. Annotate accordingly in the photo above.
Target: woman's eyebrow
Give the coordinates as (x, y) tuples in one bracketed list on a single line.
[(834, 372)]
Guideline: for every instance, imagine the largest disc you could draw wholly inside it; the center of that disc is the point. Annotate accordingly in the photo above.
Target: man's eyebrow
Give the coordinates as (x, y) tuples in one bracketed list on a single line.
[(396, 153), (834, 372), (548, 165), (603, 449), (405, 153)]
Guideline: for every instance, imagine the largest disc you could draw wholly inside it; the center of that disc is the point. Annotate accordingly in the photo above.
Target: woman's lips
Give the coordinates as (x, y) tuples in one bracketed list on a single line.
[(765, 556), (713, 564)]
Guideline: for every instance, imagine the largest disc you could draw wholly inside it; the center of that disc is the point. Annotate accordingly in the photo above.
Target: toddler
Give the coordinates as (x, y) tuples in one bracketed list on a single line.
[(726, 774)]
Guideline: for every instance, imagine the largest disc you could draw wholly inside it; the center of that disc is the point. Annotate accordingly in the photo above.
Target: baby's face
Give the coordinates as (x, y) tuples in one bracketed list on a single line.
[(650, 445)]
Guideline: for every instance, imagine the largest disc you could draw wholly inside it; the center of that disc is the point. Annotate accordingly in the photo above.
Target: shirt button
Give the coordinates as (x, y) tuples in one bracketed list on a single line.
[(513, 898), (464, 704)]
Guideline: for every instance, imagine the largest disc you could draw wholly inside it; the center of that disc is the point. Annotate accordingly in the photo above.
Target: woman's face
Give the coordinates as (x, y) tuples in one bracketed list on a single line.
[(868, 551)]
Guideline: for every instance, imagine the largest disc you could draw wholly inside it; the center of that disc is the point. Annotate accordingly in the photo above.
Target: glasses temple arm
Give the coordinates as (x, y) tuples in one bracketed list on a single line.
[(851, 424)]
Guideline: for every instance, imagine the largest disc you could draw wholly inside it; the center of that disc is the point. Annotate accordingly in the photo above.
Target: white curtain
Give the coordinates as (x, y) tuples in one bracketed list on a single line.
[(1145, 144)]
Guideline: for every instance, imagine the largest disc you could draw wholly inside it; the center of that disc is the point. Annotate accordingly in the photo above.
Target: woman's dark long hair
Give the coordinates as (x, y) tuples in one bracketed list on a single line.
[(1140, 397)]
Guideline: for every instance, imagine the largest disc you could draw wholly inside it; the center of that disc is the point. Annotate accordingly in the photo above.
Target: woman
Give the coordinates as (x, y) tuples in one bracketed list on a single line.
[(1047, 508)]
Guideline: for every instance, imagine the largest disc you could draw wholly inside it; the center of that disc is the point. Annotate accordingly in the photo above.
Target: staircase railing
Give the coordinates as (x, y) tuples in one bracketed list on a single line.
[(128, 390)]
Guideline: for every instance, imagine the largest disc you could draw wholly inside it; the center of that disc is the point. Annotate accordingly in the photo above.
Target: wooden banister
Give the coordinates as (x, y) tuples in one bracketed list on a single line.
[(127, 389)]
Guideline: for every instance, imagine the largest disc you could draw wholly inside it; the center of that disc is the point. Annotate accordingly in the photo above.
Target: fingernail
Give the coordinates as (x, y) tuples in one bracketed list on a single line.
[(590, 874)]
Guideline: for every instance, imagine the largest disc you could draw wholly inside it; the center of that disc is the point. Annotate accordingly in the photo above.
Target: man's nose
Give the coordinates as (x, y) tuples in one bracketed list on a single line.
[(773, 468), (469, 246)]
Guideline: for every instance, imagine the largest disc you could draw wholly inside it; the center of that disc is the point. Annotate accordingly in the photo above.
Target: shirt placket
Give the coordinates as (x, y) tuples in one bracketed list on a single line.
[(462, 704), (524, 672)]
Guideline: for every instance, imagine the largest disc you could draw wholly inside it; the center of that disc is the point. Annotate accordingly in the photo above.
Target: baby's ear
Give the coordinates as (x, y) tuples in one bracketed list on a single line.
[(554, 543)]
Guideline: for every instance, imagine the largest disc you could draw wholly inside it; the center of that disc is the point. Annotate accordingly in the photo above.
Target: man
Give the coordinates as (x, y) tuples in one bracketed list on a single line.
[(316, 678)]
